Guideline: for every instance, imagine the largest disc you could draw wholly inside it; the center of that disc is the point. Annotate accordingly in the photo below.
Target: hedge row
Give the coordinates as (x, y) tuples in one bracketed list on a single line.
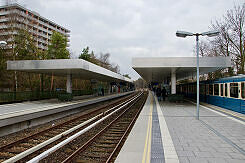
[(8, 97)]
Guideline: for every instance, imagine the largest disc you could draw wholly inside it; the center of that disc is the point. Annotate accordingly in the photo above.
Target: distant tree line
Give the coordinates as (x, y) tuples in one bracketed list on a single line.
[(140, 83), (100, 60), (230, 42), (24, 48)]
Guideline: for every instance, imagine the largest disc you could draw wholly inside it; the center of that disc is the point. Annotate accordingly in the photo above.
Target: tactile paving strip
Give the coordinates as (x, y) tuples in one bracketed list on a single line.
[(157, 153)]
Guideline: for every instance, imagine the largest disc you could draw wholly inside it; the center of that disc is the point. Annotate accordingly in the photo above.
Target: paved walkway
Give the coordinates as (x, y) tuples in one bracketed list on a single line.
[(215, 138), (176, 136), (35, 105), (19, 112), (21, 106)]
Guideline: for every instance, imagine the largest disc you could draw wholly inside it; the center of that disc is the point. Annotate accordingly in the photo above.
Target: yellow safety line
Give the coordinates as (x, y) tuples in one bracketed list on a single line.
[(149, 144), (147, 148), (146, 142)]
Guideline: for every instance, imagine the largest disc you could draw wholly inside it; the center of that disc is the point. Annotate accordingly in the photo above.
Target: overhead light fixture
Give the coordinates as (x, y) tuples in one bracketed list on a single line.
[(209, 34)]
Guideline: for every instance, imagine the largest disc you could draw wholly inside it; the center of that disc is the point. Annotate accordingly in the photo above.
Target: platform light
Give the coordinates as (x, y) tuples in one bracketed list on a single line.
[(3, 43), (209, 34), (183, 34)]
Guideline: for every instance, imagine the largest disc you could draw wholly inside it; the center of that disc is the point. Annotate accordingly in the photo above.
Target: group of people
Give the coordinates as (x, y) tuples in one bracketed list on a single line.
[(160, 93)]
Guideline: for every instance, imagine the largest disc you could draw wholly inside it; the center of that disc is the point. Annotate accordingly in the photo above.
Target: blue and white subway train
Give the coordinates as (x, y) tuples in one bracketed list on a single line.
[(227, 92)]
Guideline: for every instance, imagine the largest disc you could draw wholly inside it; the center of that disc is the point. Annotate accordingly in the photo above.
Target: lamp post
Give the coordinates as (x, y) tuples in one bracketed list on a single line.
[(3, 44), (209, 34)]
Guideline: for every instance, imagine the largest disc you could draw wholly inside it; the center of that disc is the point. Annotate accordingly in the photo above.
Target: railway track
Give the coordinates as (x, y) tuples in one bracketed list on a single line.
[(32, 143), (113, 127), (105, 145), (59, 152)]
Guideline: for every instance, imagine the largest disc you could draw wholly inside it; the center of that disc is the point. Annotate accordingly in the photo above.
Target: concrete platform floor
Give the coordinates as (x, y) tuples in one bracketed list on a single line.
[(9, 110), (18, 116), (22, 106), (175, 135)]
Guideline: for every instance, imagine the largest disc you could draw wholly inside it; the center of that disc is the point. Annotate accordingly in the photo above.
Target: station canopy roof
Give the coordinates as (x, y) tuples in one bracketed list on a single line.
[(78, 68), (158, 69)]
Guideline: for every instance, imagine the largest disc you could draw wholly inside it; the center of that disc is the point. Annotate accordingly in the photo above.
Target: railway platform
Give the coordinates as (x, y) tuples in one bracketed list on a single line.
[(17, 116), (169, 132)]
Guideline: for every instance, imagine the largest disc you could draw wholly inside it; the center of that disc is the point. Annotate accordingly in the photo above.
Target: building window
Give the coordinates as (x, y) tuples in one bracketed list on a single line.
[(234, 90), (221, 89), (216, 89), (211, 89), (243, 89)]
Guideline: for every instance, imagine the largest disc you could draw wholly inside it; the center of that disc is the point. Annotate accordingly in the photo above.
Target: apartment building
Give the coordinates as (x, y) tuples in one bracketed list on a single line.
[(15, 16)]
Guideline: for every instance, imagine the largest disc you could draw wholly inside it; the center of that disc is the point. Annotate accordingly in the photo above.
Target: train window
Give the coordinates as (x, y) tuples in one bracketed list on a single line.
[(221, 89), (243, 90), (202, 89), (186, 88), (207, 89), (234, 90), (211, 89), (194, 88), (216, 89), (226, 90)]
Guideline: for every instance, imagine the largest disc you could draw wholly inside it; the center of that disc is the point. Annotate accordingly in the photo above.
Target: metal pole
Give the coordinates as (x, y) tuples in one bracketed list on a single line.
[(197, 49), (69, 83)]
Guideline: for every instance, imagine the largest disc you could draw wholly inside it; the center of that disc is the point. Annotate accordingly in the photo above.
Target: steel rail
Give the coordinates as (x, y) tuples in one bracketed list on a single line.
[(82, 148), (59, 125), (68, 140), (61, 135), (125, 134)]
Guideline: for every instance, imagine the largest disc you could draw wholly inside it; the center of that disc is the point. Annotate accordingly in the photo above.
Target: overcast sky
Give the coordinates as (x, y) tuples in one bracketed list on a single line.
[(132, 28)]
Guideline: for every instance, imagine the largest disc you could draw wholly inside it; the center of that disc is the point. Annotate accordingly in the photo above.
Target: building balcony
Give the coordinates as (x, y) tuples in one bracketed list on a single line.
[(3, 26), (8, 33), (4, 20)]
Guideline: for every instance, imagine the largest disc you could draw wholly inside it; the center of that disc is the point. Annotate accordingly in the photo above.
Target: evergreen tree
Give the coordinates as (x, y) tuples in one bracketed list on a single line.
[(85, 54), (57, 48), (24, 46)]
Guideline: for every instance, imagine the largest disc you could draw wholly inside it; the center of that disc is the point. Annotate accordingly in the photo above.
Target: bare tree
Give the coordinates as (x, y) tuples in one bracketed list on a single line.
[(105, 62), (104, 59), (204, 49), (115, 68), (231, 41)]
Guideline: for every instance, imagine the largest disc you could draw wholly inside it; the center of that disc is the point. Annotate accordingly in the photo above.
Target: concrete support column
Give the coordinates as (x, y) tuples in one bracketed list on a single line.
[(69, 83), (173, 81), (109, 88), (117, 88)]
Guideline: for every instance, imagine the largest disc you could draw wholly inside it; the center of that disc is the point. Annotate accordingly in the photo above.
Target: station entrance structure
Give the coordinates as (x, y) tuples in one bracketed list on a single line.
[(171, 69), (71, 68)]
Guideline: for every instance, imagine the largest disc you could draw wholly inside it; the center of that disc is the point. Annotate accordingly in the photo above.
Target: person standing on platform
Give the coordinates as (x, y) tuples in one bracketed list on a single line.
[(102, 91), (163, 93), (154, 90), (159, 92)]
